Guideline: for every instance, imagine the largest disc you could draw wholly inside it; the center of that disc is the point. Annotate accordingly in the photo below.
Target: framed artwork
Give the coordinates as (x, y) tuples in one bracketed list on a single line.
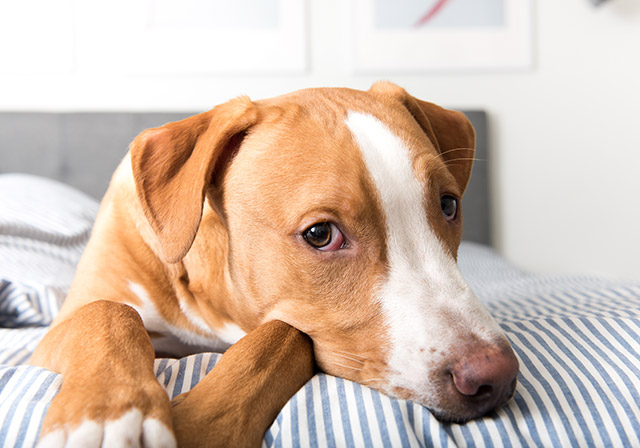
[(193, 36), (440, 35)]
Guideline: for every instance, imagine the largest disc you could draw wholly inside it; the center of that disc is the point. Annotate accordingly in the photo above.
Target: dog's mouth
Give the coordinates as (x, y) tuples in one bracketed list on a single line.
[(472, 408), (450, 406), (462, 391)]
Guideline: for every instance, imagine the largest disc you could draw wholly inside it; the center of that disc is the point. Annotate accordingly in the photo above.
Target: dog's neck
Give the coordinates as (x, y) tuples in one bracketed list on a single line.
[(206, 283)]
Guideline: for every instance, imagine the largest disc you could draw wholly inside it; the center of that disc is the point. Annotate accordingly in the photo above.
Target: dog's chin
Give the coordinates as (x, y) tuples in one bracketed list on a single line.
[(445, 417), (463, 414), (451, 408)]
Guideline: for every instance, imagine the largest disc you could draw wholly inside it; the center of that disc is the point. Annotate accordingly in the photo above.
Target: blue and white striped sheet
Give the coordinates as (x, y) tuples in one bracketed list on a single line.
[(577, 338)]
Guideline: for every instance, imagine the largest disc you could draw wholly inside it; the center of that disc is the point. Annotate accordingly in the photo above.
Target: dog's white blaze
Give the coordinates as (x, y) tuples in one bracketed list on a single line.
[(424, 287)]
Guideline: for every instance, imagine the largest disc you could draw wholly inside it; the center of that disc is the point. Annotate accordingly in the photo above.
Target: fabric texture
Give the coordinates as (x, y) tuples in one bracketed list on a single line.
[(577, 339)]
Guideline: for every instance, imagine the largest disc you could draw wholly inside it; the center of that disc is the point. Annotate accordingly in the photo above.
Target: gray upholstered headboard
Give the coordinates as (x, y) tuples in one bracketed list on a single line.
[(83, 149)]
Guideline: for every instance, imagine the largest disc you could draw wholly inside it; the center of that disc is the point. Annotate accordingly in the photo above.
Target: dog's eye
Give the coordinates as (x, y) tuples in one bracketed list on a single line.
[(449, 206), (324, 236)]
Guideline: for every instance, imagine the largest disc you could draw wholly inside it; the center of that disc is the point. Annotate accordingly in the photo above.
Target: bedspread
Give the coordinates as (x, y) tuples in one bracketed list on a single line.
[(577, 339)]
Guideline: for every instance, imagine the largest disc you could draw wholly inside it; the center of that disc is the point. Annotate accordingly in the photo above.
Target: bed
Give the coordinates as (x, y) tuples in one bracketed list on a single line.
[(577, 337)]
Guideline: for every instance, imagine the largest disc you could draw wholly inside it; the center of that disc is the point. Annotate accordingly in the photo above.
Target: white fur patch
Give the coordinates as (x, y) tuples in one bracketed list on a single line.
[(153, 321), (424, 290), (147, 311), (87, 435), (124, 431), (54, 439), (156, 434), (130, 430), (230, 333), (193, 317)]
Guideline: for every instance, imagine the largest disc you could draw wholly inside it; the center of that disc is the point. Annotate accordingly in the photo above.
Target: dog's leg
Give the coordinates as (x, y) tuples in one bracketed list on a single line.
[(238, 400), (109, 394)]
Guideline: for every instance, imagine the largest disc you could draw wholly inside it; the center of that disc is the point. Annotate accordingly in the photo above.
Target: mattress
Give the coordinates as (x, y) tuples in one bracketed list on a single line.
[(577, 339)]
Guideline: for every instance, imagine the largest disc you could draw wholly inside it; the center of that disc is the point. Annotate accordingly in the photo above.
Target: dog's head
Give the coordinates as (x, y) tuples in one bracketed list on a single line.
[(342, 217)]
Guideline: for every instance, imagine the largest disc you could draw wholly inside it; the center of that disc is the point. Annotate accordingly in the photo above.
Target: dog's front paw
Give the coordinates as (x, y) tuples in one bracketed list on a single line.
[(87, 415)]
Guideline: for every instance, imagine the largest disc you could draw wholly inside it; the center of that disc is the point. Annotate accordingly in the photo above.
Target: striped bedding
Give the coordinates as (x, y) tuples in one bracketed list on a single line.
[(577, 338)]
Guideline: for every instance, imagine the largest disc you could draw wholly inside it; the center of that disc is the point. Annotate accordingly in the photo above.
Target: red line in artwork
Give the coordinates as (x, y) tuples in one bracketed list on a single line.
[(435, 9)]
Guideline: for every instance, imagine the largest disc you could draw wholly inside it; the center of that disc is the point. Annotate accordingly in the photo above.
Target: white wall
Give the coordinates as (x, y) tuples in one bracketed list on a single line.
[(565, 135)]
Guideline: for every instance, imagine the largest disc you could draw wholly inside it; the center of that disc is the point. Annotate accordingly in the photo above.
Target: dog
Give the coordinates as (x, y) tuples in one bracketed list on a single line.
[(330, 212)]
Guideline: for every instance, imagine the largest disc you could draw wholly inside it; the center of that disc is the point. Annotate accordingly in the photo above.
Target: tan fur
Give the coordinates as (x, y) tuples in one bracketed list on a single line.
[(206, 213), (102, 339), (261, 371)]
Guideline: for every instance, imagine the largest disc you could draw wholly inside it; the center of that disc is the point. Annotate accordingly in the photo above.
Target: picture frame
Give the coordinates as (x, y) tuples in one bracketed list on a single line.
[(165, 37), (386, 39)]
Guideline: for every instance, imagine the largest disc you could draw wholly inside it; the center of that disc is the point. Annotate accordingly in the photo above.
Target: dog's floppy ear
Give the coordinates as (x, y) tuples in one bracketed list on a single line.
[(173, 166), (450, 131)]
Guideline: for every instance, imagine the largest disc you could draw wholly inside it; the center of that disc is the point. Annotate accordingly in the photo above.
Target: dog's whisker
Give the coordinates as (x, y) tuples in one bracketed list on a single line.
[(347, 355), (357, 369), (346, 352), (440, 168), (440, 158), (373, 379), (370, 380), (463, 159), (355, 356), (349, 358), (455, 149)]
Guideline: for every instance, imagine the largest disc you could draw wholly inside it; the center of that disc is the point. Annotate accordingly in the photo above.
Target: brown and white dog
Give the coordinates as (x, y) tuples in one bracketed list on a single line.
[(334, 211)]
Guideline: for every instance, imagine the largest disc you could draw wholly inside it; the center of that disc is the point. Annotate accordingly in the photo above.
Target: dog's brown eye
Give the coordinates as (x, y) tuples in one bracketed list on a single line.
[(449, 206), (324, 236)]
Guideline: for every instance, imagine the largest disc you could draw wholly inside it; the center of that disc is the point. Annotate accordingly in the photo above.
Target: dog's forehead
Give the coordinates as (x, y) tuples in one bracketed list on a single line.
[(316, 120)]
